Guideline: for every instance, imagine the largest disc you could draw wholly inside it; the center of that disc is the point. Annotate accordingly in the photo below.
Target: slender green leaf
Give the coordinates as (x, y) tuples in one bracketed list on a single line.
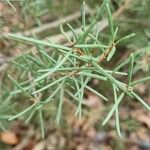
[(21, 88), (73, 31), (40, 42), (112, 79), (113, 109), (110, 55), (110, 22), (97, 93), (22, 112), (60, 104), (116, 112), (125, 38), (96, 19), (141, 101), (140, 80), (63, 32), (130, 72), (91, 46), (49, 85), (41, 123), (54, 69)]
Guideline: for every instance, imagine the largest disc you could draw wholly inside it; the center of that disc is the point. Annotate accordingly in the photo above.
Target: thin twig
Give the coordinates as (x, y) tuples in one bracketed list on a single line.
[(49, 26), (105, 53)]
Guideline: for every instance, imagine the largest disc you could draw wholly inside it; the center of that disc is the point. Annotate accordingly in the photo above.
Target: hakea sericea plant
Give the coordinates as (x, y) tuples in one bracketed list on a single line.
[(68, 69)]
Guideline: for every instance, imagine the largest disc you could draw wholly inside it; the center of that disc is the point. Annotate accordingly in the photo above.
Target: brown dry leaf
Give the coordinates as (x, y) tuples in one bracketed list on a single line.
[(40, 146), (141, 88), (2, 6), (9, 137), (142, 116), (134, 147), (92, 100), (144, 119), (106, 147), (143, 135)]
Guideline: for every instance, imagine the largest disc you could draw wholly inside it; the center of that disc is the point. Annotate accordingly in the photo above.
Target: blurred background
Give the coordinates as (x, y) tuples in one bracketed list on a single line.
[(42, 18)]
